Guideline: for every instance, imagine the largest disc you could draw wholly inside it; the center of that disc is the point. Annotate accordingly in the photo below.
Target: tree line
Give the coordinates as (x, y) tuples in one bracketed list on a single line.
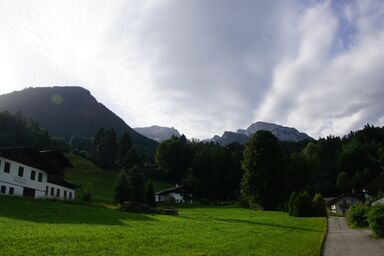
[(266, 171)]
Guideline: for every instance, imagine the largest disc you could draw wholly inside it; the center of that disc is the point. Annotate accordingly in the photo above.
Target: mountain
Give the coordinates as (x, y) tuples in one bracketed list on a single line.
[(283, 133), (242, 135), (70, 111), (158, 133), (230, 137)]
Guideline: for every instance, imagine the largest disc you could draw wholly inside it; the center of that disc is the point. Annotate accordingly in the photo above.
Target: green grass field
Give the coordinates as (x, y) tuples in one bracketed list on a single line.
[(39, 227), (102, 182)]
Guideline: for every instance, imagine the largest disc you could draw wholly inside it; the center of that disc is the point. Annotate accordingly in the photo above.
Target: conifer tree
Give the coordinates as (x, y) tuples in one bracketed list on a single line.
[(150, 195)]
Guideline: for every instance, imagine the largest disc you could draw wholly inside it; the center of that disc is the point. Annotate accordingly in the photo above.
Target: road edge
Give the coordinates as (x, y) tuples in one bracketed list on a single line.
[(324, 237)]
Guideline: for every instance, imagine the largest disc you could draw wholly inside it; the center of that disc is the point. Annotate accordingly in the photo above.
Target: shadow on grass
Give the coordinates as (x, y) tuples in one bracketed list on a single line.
[(43, 211), (256, 223), (268, 224)]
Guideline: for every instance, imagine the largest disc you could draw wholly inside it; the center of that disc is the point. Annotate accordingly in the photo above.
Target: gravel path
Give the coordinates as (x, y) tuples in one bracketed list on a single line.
[(344, 241)]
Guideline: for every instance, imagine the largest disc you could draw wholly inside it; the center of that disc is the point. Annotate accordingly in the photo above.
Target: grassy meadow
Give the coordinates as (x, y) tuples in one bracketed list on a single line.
[(102, 182), (40, 227)]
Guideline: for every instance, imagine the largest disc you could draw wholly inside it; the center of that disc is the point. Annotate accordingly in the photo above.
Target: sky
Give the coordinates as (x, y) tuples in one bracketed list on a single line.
[(205, 66)]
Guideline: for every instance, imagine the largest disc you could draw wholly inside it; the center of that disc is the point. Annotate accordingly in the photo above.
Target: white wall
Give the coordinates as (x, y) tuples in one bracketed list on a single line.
[(179, 198), (348, 200), (64, 193), (12, 179)]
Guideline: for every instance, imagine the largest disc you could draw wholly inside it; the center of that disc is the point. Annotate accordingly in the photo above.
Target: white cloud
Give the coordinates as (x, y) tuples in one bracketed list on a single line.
[(205, 66)]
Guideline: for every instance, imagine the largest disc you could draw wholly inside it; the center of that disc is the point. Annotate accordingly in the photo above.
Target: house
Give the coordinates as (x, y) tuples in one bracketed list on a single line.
[(379, 202), (179, 194), (376, 185), (26, 171), (342, 203)]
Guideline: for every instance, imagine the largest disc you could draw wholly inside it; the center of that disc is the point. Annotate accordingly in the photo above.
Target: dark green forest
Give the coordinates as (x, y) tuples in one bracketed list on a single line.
[(329, 166), (16, 130)]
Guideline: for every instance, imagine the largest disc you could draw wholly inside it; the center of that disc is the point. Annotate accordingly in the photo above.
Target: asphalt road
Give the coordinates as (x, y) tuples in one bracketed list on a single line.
[(344, 241)]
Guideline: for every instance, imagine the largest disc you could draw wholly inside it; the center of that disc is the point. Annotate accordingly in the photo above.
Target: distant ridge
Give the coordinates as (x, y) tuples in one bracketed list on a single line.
[(70, 111), (242, 135), (158, 133)]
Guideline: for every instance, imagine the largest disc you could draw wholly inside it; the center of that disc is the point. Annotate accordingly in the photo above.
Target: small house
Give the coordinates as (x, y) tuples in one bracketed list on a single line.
[(28, 172), (341, 204), (177, 194), (375, 185), (379, 202)]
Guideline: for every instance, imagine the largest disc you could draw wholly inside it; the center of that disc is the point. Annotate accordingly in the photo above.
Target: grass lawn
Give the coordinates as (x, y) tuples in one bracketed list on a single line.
[(102, 182), (38, 227)]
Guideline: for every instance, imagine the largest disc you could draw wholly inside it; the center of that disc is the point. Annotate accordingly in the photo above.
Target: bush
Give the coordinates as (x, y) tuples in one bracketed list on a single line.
[(300, 205), (86, 195), (376, 220), (304, 205), (357, 215), (319, 206)]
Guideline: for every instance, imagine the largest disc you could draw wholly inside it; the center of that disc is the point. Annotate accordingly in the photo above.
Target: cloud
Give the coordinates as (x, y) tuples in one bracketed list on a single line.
[(206, 66)]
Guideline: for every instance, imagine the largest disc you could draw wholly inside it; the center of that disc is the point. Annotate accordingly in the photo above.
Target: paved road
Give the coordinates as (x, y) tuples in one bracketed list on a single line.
[(344, 241)]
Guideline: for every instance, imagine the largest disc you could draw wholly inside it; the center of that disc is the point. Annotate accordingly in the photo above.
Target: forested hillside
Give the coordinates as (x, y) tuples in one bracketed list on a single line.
[(70, 112), (328, 166), (16, 130)]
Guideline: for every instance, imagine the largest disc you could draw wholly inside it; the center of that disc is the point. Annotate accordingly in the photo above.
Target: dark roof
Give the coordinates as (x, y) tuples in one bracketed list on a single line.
[(358, 196), (46, 160), (56, 157), (170, 190), (69, 185), (377, 183)]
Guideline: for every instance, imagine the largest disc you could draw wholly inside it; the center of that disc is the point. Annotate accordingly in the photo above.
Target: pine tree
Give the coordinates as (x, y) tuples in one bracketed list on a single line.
[(125, 145), (150, 195), (292, 205), (136, 183), (123, 188)]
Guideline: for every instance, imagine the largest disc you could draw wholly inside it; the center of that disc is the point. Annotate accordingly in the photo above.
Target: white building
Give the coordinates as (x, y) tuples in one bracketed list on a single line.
[(36, 174), (179, 194), (342, 203), (379, 202)]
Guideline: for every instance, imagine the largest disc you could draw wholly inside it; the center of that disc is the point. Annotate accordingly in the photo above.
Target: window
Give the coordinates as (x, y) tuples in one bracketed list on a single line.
[(46, 190), (0, 162), (2, 190), (40, 178), (11, 191), (65, 194), (21, 171), (33, 175), (7, 167), (58, 193), (52, 191), (70, 195)]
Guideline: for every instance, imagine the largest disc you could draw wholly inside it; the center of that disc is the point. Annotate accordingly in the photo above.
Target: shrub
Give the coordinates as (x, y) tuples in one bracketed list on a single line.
[(376, 220), (300, 205), (319, 206), (86, 195), (357, 215), (304, 205)]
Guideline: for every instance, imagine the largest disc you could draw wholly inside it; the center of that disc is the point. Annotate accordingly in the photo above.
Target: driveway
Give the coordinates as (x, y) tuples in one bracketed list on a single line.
[(344, 241)]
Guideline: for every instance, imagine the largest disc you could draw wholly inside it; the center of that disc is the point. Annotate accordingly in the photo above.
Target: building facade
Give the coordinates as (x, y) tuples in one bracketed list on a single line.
[(178, 194), (36, 174), (341, 204)]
